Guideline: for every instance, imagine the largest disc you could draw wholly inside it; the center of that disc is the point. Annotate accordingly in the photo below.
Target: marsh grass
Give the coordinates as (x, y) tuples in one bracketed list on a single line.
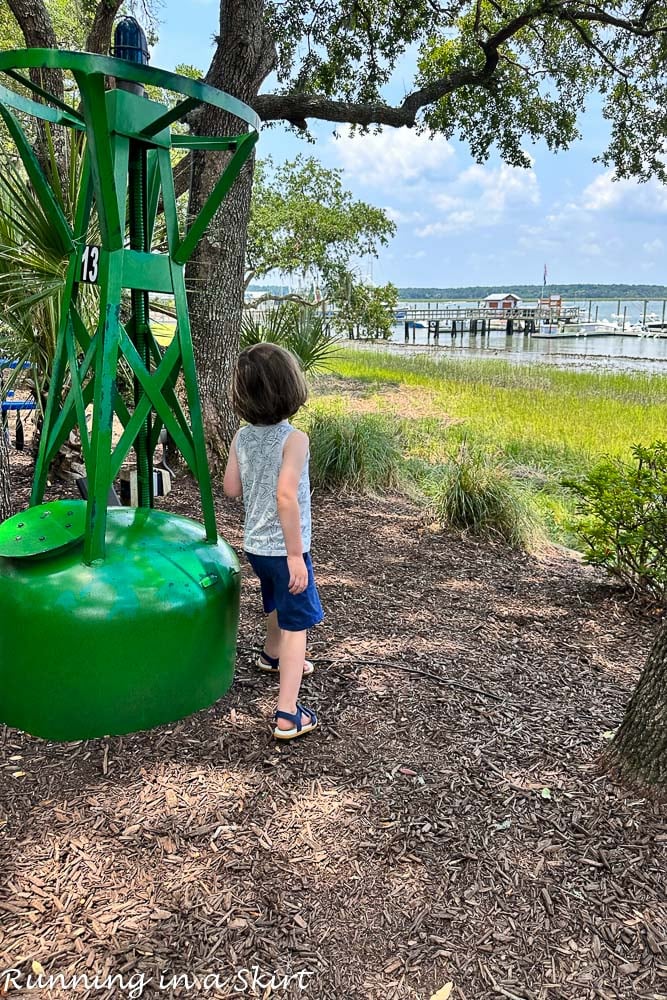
[(475, 492), (537, 425), (557, 421), (355, 452)]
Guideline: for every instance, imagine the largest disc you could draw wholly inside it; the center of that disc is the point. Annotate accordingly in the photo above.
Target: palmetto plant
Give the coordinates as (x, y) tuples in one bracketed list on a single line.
[(301, 330), (33, 263)]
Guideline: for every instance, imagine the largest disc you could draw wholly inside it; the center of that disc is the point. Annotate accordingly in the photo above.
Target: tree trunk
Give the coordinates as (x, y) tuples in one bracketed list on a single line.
[(215, 292), (638, 752), (243, 59), (5, 492), (37, 28)]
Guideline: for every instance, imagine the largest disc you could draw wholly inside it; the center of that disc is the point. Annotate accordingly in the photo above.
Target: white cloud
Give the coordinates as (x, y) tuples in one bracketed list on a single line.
[(384, 159), (601, 193), (447, 202), (653, 248), (534, 238), (480, 198), (604, 194), (503, 185), (455, 222), (398, 215)]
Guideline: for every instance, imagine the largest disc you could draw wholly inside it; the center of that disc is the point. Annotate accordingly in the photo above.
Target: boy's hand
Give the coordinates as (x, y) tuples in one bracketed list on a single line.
[(298, 574)]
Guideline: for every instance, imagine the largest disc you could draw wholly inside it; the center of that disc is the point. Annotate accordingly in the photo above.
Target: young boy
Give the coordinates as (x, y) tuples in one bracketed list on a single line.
[(268, 468)]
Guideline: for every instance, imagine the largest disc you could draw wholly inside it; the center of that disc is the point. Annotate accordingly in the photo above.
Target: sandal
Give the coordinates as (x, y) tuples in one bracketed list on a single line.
[(299, 729), (271, 664)]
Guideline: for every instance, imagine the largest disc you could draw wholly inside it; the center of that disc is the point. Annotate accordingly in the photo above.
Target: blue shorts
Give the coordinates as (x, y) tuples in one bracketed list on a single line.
[(296, 612)]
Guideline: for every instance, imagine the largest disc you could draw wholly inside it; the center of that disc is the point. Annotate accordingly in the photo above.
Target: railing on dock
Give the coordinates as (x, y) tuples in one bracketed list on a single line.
[(455, 320)]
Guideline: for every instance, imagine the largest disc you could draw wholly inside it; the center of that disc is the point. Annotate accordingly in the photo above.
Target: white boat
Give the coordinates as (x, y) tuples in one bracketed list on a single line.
[(595, 326)]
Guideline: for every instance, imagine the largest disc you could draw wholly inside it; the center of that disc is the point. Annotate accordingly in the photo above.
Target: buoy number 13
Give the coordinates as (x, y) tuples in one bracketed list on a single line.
[(90, 265)]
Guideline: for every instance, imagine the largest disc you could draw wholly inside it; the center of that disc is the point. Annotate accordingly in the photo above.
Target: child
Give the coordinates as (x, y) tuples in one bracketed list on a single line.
[(268, 467)]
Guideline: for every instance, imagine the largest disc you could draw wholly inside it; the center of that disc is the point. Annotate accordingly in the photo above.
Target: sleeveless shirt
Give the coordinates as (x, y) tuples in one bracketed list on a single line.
[(259, 450)]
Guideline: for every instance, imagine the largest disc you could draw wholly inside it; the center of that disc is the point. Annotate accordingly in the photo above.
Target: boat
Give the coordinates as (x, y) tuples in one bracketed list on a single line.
[(592, 326), (548, 329)]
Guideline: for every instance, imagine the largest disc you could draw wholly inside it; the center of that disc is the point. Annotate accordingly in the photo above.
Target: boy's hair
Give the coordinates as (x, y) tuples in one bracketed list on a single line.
[(268, 385)]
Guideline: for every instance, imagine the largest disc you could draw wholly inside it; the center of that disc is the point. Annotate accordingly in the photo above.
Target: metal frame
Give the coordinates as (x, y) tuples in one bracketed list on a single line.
[(123, 129)]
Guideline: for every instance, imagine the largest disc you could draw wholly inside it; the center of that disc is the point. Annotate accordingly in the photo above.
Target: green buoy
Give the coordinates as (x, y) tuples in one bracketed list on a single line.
[(118, 619)]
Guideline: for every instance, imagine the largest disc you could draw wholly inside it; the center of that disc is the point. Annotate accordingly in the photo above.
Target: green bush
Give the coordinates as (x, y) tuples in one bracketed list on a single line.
[(301, 330), (358, 452), (477, 494), (623, 518)]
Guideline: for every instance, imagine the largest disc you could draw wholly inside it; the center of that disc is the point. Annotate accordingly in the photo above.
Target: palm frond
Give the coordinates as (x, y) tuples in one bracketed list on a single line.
[(300, 330), (33, 264)]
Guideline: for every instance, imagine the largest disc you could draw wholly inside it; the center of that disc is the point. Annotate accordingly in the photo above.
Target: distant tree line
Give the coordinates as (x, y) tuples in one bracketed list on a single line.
[(474, 292)]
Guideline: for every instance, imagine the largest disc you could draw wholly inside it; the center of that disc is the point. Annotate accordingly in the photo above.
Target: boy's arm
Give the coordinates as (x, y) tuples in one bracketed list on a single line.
[(231, 484), (295, 453)]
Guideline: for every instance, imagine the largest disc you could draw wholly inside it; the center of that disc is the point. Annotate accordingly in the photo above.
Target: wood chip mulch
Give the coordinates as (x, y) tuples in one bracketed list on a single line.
[(447, 824)]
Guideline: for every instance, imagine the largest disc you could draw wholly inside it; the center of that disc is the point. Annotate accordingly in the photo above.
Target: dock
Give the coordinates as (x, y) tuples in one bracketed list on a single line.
[(455, 320)]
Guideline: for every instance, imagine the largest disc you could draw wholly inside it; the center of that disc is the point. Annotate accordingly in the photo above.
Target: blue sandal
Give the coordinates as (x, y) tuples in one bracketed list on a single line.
[(271, 664), (298, 729)]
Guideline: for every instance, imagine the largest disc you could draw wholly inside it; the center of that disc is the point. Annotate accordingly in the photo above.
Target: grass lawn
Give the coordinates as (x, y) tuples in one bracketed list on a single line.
[(163, 332), (545, 423)]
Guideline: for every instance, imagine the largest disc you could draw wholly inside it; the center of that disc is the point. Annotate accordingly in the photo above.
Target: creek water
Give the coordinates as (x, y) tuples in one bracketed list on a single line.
[(614, 352)]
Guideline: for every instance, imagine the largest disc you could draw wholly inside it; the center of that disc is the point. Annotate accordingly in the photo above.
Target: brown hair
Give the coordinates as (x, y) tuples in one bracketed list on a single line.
[(268, 385)]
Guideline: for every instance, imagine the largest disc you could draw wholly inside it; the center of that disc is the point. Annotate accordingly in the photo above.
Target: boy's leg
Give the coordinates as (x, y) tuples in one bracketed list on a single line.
[(273, 640), (292, 655), (273, 635)]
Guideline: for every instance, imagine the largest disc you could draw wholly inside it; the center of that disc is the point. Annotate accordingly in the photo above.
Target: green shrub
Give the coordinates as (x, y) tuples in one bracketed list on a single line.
[(358, 452), (474, 493), (301, 330), (623, 518)]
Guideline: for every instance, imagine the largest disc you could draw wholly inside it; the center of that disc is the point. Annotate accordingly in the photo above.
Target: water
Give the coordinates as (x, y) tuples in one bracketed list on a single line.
[(613, 352)]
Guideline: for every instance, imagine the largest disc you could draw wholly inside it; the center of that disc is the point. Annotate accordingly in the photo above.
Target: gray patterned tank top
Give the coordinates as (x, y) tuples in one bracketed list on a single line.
[(260, 455)]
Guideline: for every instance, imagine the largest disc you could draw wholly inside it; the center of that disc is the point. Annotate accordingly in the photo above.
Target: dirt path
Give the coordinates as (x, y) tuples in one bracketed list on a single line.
[(428, 833)]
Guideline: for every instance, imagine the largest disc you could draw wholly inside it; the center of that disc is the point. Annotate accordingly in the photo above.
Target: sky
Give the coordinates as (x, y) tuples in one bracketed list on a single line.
[(458, 222)]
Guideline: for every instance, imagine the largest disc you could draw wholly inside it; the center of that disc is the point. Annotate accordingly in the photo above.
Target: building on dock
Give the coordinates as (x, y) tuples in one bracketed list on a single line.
[(500, 301), (552, 304)]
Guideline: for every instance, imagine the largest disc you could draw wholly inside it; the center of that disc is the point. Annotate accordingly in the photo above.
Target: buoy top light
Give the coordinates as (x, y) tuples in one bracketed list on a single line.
[(130, 42)]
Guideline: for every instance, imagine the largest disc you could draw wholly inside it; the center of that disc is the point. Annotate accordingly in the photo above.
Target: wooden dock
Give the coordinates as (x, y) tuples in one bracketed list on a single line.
[(479, 320)]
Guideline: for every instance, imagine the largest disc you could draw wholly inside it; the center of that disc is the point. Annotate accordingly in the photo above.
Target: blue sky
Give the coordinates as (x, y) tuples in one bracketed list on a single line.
[(461, 223)]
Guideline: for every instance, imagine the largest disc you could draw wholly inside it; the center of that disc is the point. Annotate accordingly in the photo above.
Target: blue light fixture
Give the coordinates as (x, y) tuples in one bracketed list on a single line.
[(130, 41)]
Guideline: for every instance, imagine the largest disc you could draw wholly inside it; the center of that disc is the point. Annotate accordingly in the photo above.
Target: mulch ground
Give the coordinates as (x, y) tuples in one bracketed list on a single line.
[(447, 824)]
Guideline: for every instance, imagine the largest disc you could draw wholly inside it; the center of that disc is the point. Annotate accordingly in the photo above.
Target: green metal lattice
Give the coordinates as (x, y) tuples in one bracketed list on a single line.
[(127, 174)]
